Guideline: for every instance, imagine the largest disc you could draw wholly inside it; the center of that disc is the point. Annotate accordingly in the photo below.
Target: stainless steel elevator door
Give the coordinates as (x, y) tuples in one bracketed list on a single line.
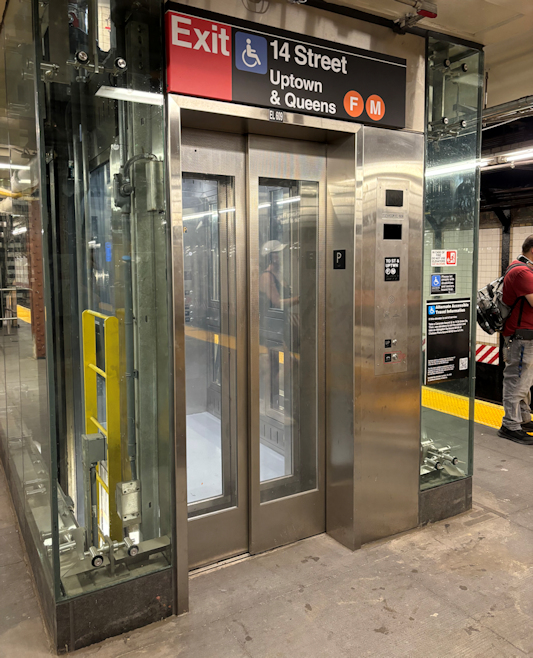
[(254, 346), (287, 202), (214, 267)]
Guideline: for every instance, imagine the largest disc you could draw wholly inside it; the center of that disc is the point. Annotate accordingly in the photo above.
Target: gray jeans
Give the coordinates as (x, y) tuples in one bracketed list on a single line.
[(517, 382)]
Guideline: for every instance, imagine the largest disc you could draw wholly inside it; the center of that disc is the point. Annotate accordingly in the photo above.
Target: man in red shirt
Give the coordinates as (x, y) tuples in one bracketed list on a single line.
[(518, 348)]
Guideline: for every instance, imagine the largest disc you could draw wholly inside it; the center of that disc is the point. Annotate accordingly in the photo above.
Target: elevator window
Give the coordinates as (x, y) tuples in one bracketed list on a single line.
[(394, 198), (208, 223), (288, 221), (392, 231)]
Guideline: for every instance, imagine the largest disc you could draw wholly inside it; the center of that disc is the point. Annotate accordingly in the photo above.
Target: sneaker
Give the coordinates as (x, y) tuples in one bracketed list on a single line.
[(528, 427), (518, 436)]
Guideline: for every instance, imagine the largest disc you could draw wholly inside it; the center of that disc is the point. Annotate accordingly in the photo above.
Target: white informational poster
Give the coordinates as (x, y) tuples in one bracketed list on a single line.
[(443, 257)]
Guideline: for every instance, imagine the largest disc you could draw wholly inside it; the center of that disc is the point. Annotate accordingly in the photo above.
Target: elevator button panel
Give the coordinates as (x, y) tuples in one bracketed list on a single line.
[(391, 268)]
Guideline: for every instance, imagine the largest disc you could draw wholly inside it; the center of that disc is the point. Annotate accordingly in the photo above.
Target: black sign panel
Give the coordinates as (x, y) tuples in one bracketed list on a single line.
[(443, 284), (448, 340), (339, 259), (392, 269), (217, 56)]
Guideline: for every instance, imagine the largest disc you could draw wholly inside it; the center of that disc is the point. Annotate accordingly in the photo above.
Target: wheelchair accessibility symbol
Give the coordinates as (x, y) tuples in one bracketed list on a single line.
[(431, 310), (250, 53)]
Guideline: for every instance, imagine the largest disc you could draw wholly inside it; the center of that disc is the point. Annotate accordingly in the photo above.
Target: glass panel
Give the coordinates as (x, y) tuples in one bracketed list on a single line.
[(107, 277), (208, 225), (24, 422), (288, 230), (451, 225)]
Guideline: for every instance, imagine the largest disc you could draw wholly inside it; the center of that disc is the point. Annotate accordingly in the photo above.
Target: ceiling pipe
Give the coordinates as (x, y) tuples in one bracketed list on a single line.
[(505, 165), (423, 9), (517, 108), (418, 30)]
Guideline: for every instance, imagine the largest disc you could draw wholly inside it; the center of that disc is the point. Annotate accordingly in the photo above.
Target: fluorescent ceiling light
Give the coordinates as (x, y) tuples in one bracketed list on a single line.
[(523, 154), (199, 215), (263, 205), (131, 95), (292, 199), (19, 230), (212, 213), (8, 165), (456, 168)]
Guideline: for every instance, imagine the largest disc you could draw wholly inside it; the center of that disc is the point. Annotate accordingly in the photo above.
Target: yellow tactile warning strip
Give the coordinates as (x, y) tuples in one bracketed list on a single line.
[(449, 403), (486, 413), (23, 314)]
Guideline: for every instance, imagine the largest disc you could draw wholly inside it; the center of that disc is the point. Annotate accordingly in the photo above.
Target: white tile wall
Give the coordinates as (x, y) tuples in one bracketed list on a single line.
[(489, 268), (518, 235)]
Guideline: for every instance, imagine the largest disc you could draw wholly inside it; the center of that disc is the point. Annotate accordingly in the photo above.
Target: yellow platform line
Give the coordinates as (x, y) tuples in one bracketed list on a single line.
[(485, 413), (23, 314)]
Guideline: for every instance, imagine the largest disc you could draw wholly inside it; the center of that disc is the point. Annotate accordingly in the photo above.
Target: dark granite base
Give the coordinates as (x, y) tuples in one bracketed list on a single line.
[(41, 580), (445, 501), (95, 616), (114, 610)]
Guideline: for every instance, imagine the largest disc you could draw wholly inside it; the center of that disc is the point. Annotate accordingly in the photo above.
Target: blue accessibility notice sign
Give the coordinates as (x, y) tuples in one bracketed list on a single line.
[(443, 284)]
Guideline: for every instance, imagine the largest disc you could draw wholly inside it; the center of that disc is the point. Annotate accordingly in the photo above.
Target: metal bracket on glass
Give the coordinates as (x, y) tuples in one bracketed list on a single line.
[(96, 555), (128, 499), (81, 61), (439, 459), (50, 71)]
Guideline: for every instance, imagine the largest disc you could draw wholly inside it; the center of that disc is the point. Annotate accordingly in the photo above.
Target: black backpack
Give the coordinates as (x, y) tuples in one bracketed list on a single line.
[(491, 310)]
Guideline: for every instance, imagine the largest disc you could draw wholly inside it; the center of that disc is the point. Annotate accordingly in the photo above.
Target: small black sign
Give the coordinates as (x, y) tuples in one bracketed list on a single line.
[(392, 269), (388, 358), (443, 284), (388, 342), (448, 340), (339, 259), (276, 115)]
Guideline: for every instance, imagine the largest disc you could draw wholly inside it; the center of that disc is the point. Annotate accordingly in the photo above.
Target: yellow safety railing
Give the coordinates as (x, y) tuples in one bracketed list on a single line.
[(111, 374)]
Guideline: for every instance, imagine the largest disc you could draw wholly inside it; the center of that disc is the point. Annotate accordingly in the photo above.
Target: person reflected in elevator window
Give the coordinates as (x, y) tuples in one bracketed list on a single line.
[(275, 295), (273, 288)]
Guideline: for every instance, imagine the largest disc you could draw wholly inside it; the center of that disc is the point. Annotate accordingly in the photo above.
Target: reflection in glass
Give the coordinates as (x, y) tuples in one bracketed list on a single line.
[(208, 218), (24, 423), (288, 220), (85, 428)]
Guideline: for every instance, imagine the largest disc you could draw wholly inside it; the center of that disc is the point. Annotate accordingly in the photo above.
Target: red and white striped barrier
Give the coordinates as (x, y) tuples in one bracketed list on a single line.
[(488, 354)]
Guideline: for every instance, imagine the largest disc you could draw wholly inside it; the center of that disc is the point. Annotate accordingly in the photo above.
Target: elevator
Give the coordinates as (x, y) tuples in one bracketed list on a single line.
[(253, 306), (297, 291)]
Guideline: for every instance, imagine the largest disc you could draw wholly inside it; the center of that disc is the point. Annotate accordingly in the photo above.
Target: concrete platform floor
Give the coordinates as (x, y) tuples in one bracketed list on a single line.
[(462, 587)]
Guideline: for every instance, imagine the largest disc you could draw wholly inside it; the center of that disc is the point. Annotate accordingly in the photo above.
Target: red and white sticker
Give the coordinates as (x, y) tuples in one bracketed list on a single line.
[(488, 354), (443, 257), (199, 57)]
